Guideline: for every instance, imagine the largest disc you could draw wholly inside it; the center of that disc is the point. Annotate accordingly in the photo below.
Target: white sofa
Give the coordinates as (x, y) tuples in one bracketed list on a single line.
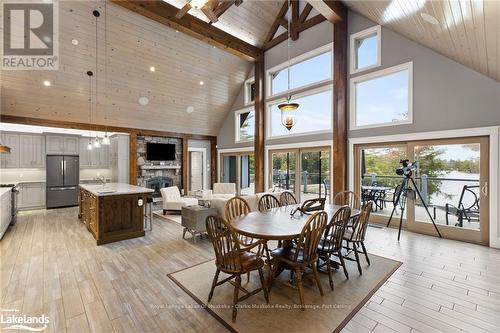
[(172, 200), (224, 190)]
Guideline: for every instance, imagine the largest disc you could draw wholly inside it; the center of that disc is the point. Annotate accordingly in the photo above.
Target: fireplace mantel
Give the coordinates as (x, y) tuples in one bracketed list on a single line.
[(160, 167)]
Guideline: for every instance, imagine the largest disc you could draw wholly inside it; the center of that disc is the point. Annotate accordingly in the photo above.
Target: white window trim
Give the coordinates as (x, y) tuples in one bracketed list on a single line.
[(293, 61), (370, 76), (310, 92), (247, 83), (237, 113), (375, 30)]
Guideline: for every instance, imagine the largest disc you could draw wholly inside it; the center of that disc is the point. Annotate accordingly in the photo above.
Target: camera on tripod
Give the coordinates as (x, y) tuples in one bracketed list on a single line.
[(406, 169)]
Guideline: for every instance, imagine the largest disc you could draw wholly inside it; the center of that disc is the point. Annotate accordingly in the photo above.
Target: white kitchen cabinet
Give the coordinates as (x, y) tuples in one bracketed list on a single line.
[(84, 154), (62, 144), (32, 151), (5, 212), (10, 160), (97, 158), (31, 195)]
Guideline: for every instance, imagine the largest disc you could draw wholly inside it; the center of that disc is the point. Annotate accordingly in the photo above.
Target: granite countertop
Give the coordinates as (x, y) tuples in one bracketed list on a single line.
[(114, 189)]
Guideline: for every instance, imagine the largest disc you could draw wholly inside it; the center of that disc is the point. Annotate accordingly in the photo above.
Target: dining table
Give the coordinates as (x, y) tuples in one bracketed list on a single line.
[(278, 224)]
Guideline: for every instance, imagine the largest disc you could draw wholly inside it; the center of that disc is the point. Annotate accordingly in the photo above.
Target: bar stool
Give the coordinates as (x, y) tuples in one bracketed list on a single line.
[(148, 214)]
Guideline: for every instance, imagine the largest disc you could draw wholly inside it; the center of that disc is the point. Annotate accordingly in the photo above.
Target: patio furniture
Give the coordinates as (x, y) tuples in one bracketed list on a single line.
[(233, 258), (326, 183), (305, 253), (331, 242), (193, 220), (469, 211), (268, 201), (172, 200), (376, 194), (287, 198), (356, 235)]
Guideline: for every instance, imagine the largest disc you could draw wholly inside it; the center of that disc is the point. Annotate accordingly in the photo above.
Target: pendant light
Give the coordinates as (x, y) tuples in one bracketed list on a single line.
[(97, 143), (89, 73), (288, 110), (105, 141)]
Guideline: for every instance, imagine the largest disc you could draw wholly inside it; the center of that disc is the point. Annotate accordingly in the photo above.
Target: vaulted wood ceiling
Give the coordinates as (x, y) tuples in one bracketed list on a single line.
[(467, 31)]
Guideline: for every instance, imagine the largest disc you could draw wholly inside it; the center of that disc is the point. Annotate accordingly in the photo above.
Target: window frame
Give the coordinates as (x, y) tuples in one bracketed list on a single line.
[(248, 83), (237, 113), (374, 75), (375, 30), (301, 94), (293, 61)]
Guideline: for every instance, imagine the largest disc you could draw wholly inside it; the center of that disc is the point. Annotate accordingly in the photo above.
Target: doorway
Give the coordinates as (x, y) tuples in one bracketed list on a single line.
[(197, 168), (451, 174), (239, 168)]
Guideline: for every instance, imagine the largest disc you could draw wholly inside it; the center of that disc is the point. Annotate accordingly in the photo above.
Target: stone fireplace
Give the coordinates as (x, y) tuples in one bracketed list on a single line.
[(156, 183)]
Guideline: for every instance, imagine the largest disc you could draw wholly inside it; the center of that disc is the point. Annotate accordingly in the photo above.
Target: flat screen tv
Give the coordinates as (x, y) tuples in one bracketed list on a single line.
[(160, 151)]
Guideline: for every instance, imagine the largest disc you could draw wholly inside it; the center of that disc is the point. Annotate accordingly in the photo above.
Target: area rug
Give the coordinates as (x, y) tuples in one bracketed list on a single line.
[(169, 216), (329, 313)]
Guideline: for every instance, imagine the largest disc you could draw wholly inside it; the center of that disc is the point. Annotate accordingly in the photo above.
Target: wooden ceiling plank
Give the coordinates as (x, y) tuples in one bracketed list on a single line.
[(164, 13), (276, 23), (333, 10)]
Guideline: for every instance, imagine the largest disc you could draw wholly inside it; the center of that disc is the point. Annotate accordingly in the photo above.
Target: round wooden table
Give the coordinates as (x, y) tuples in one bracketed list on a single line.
[(277, 223)]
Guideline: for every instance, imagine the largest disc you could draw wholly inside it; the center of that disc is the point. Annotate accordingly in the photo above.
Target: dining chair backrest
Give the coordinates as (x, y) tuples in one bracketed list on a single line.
[(361, 222), (348, 198), (226, 248), (308, 242), (334, 232), (235, 207), (268, 201), (287, 198)]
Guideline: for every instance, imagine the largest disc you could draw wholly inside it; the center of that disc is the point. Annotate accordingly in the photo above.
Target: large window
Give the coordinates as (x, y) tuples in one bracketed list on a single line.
[(383, 98), (245, 125), (314, 114), (305, 70), (249, 91), (365, 49)]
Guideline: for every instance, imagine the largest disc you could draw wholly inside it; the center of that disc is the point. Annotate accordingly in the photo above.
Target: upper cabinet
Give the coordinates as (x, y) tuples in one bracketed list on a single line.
[(32, 151), (62, 144), (97, 158), (10, 160)]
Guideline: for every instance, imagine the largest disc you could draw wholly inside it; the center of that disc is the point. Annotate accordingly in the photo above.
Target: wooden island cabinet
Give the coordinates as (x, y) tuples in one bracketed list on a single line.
[(113, 212)]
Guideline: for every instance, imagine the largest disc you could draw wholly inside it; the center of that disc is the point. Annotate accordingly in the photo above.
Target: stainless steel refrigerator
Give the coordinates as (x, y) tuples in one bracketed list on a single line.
[(63, 176)]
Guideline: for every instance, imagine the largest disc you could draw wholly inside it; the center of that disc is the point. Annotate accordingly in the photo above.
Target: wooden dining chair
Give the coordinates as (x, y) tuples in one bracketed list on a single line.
[(268, 201), (356, 234), (235, 207), (304, 253), (287, 198), (233, 258), (332, 240), (348, 198)]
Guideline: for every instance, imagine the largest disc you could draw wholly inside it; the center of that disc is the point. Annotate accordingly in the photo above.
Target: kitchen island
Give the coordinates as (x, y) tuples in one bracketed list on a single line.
[(114, 211)]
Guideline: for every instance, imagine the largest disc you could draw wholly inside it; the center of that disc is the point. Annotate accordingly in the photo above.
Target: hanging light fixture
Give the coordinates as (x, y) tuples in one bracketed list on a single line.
[(105, 141), (288, 109), (97, 143), (89, 73)]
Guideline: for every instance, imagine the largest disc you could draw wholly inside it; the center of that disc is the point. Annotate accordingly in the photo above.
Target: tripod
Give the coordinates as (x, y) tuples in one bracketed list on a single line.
[(405, 186)]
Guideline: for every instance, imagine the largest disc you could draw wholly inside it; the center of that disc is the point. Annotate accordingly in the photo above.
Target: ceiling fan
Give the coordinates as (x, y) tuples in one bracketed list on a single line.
[(206, 6)]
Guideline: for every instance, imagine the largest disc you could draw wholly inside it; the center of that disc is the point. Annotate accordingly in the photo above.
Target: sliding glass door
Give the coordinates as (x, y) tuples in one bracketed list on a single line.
[(305, 172), (238, 168), (451, 175)]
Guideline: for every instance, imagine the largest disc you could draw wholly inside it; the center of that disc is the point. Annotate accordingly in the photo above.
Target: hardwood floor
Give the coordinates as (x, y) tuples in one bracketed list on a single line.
[(51, 265)]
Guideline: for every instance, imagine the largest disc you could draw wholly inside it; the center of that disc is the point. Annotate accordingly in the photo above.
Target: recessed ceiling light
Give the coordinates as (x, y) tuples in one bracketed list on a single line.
[(152, 69), (74, 41), (143, 100), (47, 83), (429, 18), (190, 109), (202, 83), (47, 39)]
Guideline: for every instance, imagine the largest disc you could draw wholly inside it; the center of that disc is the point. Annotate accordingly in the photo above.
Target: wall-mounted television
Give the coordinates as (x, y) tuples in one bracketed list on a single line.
[(160, 151)]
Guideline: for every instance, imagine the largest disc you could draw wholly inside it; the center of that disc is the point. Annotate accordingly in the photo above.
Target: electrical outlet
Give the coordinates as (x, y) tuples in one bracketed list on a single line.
[(140, 202)]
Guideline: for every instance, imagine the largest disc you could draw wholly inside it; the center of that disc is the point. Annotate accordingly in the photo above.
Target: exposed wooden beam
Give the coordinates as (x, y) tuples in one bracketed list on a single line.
[(208, 10), (213, 161), (284, 23), (238, 2), (311, 22), (132, 159), (333, 10), (305, 12), (276, 23), (275, 41), (185, 165), (295, 20), (164, 13), (183, 11), (259, 107), (222, 7), (339, 177)]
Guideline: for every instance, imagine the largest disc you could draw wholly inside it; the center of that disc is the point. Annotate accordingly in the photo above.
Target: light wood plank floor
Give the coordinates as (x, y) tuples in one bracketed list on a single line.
[(50, 264)]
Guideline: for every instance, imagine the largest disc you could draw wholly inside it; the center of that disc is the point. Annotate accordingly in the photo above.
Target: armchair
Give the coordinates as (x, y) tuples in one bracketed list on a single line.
[(172, 200)]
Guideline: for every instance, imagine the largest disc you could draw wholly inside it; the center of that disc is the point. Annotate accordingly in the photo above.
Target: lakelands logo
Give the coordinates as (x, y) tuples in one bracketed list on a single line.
[(30, 38), (10, 319)]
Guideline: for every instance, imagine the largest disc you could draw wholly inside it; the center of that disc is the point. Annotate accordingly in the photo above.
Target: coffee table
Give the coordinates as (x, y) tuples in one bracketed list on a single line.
[(193, 220)]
